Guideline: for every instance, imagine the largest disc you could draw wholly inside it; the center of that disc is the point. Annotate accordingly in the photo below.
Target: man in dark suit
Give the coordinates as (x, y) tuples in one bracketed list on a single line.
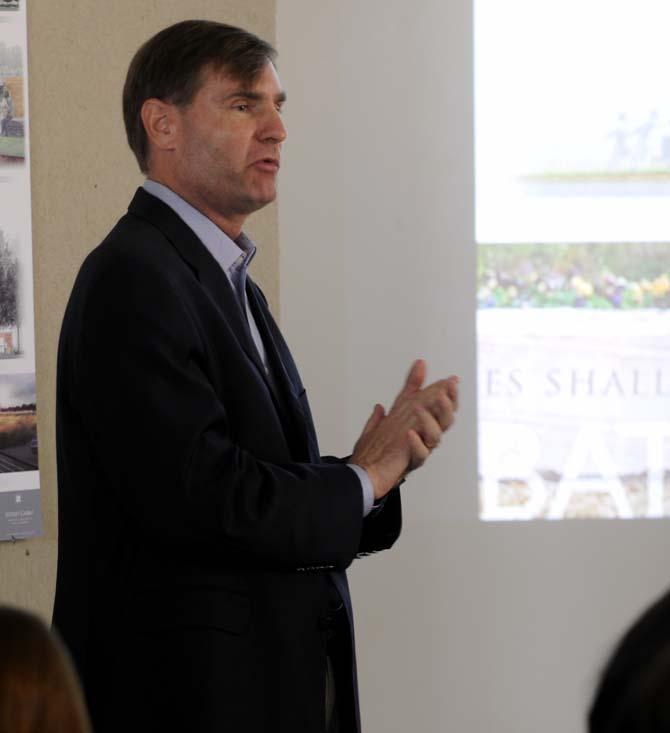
[(202, 538)]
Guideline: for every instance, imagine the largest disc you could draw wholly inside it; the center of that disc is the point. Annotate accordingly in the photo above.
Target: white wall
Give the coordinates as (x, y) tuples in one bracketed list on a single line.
[(463, 626)]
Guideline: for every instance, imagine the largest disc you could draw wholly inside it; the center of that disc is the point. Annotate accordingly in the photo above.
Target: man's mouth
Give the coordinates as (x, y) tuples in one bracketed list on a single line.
[(269, 164)]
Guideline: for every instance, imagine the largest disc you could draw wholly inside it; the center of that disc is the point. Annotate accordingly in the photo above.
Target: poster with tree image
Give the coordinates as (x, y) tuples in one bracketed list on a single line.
[(20, 513), (10, 326)]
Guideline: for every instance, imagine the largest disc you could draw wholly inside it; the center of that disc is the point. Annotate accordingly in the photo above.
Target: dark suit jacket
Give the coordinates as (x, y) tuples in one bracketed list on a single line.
[(200, 533)]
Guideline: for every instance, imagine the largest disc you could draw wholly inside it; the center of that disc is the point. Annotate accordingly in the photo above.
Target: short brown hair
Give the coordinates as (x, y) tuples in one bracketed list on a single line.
[(169, 67), (39, 689)]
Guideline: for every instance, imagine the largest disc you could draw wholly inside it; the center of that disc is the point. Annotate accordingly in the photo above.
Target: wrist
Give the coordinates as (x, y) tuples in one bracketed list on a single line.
[(378, 484)]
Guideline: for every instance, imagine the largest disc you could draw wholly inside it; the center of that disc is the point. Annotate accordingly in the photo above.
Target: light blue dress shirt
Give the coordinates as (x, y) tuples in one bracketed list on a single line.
[(234, 257)]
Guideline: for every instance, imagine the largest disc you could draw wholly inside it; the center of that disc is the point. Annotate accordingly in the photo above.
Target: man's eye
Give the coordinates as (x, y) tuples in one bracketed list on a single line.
[(242, 107)]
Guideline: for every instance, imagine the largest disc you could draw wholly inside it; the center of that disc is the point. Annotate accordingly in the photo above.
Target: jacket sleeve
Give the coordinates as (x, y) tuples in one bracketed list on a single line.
[(133, 365), (382, 527)]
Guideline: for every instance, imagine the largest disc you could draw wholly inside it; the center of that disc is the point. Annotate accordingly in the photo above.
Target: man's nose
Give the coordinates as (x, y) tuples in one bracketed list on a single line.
[(273, 127)]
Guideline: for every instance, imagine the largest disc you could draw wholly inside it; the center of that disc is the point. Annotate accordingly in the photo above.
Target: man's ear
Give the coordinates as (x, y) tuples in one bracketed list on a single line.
[(160, 120)]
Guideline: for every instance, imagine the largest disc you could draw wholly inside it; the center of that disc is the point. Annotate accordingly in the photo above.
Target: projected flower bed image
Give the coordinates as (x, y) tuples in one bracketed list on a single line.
[(576, 276)]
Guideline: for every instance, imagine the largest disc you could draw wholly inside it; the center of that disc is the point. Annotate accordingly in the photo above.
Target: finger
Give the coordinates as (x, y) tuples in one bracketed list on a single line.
[(443, 411), (374, 419), (427, 427), (428, 392), (452, 390), (436, 399), (447, 387), (415, 378), (413, 383), (418, 451)]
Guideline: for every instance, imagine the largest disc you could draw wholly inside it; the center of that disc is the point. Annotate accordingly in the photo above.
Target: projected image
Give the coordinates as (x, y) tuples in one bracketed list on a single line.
[(573, 190)]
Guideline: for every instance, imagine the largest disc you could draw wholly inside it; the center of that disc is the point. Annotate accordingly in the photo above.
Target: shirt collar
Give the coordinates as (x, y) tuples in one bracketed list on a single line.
[(224, 250)]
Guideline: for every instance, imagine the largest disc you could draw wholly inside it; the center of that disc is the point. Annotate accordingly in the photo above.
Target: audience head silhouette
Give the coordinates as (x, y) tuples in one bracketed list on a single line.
[(39, 690), (634, 691)]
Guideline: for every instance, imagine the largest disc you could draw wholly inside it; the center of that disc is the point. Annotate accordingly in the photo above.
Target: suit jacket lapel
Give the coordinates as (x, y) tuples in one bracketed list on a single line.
[(281, 362), (205, 267)]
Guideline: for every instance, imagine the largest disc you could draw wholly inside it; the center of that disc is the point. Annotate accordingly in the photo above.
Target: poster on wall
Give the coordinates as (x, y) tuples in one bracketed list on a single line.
[(20, 515)]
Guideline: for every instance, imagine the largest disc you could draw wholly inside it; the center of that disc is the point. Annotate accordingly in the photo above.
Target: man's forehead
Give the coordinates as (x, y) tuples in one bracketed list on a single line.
[(266, 81)]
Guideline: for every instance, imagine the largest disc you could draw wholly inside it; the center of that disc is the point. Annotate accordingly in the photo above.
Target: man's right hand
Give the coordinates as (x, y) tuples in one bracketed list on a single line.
[(392, 445)]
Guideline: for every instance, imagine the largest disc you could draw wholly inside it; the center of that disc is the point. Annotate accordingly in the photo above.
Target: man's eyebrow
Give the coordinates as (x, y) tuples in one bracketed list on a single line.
[(279, 98)]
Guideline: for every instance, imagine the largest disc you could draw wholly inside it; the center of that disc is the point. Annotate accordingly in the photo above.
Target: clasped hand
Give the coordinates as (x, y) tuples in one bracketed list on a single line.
[(391, 445)]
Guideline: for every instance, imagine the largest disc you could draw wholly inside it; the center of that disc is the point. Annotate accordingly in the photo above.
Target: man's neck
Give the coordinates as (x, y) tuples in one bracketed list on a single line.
[(231, 226)]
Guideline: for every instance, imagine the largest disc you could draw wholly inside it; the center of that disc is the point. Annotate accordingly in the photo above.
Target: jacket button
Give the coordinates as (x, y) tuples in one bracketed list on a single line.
[(326, 623)]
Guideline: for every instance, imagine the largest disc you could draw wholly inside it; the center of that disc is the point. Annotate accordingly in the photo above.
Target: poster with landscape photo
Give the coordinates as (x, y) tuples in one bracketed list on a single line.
[(18, 423), (20, 514)]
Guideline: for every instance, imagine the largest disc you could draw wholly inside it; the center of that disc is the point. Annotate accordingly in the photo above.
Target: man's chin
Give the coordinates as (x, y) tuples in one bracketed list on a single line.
[(261, 200)]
